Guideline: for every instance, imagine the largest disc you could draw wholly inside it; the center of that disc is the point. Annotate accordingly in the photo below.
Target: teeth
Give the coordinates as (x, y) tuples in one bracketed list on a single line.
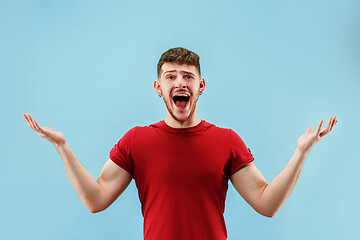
[(183, 95)]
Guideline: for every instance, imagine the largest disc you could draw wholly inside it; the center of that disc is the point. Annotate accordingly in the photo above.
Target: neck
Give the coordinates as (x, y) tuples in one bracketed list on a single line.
[(191, 122)]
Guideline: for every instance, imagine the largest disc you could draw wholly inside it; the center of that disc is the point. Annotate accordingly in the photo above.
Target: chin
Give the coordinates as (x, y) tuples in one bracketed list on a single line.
[(180, 115), (181, 119), (183, 116)]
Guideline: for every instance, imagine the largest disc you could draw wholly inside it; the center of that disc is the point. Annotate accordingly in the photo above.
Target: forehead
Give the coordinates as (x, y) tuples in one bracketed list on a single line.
[(169, 66)]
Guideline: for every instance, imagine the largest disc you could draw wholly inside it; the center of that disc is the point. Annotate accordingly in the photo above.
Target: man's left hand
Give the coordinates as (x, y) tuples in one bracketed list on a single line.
[(308, 139)]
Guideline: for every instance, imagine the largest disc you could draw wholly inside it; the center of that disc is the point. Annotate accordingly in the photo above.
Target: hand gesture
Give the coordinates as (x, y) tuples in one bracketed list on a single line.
[(308, 139), (53, 136)]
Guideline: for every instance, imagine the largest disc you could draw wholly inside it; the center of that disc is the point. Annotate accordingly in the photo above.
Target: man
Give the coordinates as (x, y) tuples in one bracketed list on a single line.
[(182, 165)]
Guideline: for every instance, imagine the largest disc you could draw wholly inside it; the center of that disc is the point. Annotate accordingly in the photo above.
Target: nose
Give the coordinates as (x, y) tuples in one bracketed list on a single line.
[(180, 83)]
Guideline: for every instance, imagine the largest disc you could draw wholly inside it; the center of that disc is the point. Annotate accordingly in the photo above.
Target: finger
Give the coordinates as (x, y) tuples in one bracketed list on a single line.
[(32, 123), (319, 127), (327, 129), (333, 123), (27, 121), (309, 130), (38, 128), (329, 124)]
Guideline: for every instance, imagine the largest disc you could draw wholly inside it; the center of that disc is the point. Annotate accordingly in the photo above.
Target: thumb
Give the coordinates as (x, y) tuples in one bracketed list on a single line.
[(48, 128), (309, 130)]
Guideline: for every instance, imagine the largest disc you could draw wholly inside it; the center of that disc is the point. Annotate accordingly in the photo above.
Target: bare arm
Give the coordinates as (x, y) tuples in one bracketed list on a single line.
[(96, 195), (266, 198)]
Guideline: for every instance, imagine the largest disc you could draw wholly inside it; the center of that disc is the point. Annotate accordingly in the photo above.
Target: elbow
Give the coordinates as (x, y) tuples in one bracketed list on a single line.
[(93, 204), (268, 210), (94, 208), (269, 213)]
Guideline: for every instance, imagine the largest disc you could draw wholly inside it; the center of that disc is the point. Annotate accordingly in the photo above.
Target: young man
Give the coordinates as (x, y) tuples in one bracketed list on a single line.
[(182, 165)]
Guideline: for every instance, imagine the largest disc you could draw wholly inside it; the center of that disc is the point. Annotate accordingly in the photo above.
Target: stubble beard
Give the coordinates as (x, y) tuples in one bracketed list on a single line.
[(192, 110)]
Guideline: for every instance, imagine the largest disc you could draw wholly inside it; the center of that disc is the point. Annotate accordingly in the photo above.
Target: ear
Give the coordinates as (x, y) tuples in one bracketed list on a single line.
[(202, 85), (157, 87)]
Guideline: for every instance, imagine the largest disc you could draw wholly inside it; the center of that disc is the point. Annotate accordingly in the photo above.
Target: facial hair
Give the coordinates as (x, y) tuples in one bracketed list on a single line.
[(192, 110)]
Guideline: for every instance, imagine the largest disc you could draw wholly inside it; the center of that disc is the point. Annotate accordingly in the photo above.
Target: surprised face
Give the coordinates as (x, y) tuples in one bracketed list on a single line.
[(180, 86)]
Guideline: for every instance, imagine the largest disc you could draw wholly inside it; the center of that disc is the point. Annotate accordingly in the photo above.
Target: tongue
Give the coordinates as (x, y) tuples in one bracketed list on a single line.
[(180, 104)]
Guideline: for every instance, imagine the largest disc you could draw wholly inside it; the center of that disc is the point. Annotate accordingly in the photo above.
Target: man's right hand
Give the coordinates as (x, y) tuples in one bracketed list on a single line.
[(96, 195), (53, 136)]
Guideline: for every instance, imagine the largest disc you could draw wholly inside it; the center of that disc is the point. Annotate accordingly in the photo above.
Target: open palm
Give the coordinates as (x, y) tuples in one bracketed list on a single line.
[(308, 139), (53, 136)]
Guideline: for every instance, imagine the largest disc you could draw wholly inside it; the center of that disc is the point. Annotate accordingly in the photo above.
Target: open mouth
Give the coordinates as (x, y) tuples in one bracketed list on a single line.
[(181, 100)]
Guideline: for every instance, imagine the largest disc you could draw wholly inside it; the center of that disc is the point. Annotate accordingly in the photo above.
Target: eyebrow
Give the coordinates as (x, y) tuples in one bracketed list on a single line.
[(180, 71)]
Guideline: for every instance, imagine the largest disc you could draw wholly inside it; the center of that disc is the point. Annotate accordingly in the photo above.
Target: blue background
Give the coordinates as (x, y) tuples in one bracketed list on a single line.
[(86, 68)]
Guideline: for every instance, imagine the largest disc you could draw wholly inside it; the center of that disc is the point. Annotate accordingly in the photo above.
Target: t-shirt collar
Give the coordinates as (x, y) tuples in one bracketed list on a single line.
[(199, 127)]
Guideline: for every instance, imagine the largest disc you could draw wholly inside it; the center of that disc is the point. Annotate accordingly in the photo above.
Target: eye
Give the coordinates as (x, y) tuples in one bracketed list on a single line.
[(170, 77), (188, 76)]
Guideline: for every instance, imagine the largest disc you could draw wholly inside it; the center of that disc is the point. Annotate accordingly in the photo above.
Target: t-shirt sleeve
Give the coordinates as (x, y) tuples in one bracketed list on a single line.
[(240, 153), (121, 155)]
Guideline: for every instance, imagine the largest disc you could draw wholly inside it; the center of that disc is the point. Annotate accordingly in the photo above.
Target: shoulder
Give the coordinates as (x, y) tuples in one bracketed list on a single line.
[(222, 130), (142, 130), (227, 134)]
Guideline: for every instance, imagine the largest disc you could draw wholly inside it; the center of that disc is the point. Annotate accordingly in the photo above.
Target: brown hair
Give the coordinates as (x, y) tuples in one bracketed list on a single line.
[(179, 55)]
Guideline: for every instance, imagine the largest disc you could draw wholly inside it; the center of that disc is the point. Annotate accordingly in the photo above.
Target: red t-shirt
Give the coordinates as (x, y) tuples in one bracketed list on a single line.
[(182, 177)]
